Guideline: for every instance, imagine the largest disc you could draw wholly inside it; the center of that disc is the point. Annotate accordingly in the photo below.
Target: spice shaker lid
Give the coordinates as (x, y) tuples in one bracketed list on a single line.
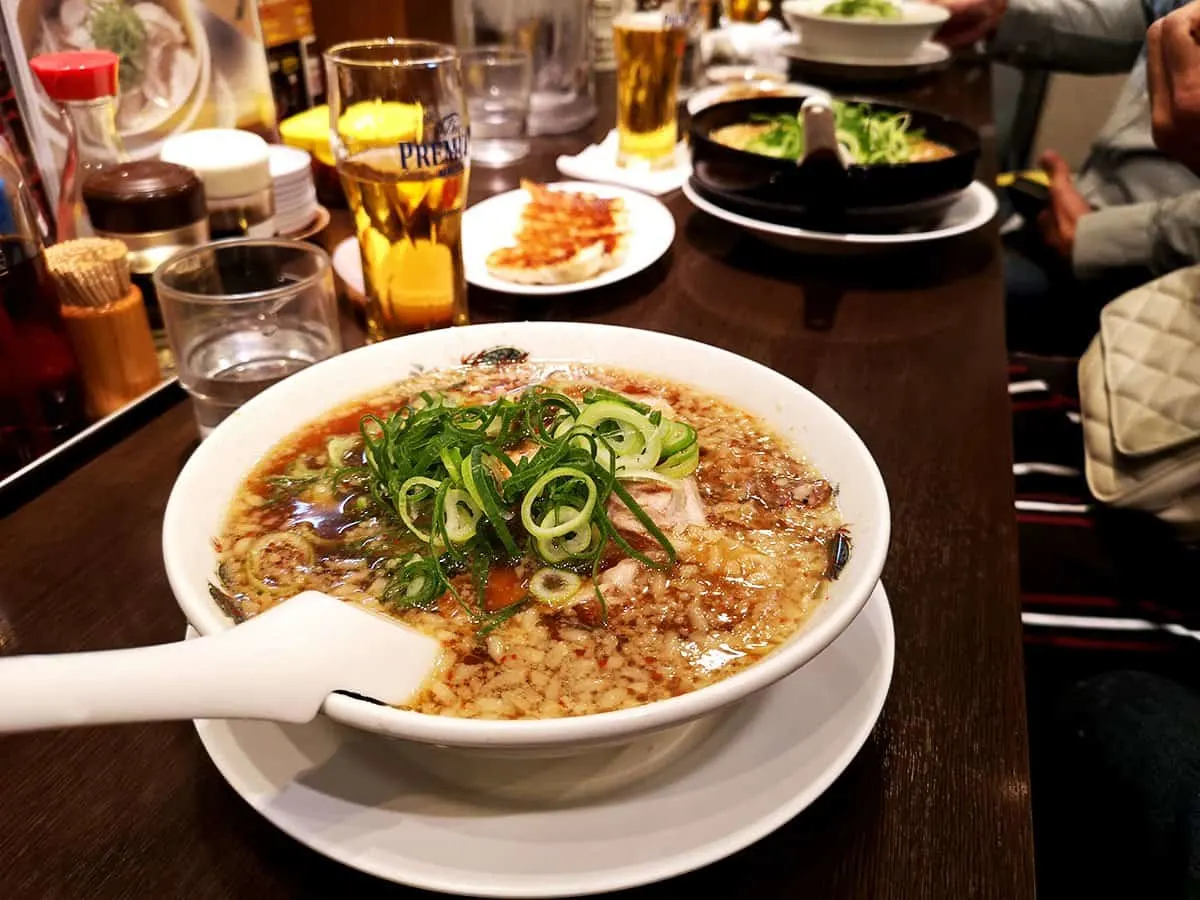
[(144, 196), (230, 162), (77, 74)]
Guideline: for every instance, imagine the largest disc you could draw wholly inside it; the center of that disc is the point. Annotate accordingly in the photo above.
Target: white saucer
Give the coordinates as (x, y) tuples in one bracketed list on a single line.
[(491, 224), (973, 208), (347, 263), (929, 57), (351, 796)]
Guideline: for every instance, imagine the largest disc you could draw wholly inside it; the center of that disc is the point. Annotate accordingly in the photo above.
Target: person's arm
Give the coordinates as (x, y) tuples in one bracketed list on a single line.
[(1173, 75), (1091, 37), (1160, 235)]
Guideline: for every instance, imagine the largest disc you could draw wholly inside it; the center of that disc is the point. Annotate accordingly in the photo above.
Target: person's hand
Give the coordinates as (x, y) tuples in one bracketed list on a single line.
[(1173, 71), (1060, 219), (970, 20)]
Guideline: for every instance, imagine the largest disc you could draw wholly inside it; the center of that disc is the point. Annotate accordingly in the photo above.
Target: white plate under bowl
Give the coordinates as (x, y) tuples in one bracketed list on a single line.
[(930, 57), (732, 74), (353, 798), (492, 223), (973, 208)]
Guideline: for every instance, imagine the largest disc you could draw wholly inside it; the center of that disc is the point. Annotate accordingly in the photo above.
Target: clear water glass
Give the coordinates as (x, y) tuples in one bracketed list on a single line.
[(242, 315), (498, 81)]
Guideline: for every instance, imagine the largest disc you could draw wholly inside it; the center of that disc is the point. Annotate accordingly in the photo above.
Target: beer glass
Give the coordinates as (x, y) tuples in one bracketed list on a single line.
[(400, 137), (746, 10), (649, 42)]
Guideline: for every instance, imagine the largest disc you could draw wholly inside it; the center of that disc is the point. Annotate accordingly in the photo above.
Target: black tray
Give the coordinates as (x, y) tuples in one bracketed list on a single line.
[(36, 476)]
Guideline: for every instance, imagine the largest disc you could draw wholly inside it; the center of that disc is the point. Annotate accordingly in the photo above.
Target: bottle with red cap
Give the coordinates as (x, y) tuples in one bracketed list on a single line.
[(84, 85)]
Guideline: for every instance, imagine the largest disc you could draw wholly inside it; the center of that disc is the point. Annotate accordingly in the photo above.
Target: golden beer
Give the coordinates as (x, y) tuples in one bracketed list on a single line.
[(409, 226), (649, 47), (400, 137), (746, 10)]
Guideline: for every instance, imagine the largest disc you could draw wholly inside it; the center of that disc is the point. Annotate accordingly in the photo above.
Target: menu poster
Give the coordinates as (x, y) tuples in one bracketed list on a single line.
[(185, 64)]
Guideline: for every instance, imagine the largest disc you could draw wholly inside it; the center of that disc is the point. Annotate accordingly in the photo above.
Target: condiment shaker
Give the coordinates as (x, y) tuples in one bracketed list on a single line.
[(84, 85), (236, 170), (156, 208)]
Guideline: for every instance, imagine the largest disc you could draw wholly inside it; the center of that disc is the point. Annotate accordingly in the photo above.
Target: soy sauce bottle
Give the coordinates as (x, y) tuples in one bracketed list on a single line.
[(41, 395)]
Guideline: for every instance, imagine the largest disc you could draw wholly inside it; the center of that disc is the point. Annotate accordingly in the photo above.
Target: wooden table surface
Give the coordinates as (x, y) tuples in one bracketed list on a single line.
[(908, 347)]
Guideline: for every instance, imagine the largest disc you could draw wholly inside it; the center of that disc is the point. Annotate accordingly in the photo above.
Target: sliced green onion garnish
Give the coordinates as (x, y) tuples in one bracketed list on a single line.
[(461, 516), (681, 464), (338, 448), (575, 543), (650, 475), (415, 583), (637, 441), (578, 543), (596, 395), (551, 550), (452, 460), (678, 437), (448, 474), (403, 500), (554, 587), (481, 486), (565, 424), (564, 522)]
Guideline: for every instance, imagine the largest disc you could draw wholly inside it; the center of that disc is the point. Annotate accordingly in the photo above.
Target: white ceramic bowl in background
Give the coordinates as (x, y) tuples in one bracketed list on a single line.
[(882, 40), (197, 506)]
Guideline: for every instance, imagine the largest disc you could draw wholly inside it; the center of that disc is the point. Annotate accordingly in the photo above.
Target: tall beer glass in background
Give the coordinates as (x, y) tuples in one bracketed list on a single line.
[(649, 40), (400, 130), (746, 10)]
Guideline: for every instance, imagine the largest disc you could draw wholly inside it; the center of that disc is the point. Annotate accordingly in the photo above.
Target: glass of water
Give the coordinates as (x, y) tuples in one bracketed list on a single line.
[(244, 314), (497, 80)]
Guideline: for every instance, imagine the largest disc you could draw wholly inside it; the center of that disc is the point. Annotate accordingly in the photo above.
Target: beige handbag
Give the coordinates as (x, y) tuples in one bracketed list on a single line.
[(1139, 389)]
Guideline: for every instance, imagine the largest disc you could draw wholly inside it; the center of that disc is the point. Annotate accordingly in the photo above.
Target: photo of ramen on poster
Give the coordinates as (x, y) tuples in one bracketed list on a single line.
[(185, 64)]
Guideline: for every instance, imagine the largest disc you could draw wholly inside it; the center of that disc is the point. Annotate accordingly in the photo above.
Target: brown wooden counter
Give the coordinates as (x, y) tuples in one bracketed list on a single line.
[(908, 347)]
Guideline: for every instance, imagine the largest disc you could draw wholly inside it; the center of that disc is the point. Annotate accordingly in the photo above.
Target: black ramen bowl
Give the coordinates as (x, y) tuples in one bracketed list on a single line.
[(784, 190)]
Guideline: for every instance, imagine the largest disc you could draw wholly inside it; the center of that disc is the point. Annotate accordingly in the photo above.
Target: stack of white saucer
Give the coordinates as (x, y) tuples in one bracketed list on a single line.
[(295, 193)]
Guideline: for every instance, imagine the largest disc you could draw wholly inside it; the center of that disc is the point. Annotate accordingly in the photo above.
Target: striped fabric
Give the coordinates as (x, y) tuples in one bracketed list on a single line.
[(1092, 578)]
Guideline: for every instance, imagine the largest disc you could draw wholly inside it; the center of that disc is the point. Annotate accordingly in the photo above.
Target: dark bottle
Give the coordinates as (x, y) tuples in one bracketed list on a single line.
[(41, 396)]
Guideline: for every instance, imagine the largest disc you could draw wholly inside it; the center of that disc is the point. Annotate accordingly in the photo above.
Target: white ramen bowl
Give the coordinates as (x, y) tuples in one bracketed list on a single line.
[(881, 40), (205, 488)]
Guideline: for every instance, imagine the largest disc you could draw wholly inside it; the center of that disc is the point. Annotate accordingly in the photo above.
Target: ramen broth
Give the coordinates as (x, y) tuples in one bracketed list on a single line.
[(751, 529), (746, 135)]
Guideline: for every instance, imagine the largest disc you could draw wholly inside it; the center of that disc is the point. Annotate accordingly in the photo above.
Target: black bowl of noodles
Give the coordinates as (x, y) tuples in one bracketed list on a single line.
[(748, 156)]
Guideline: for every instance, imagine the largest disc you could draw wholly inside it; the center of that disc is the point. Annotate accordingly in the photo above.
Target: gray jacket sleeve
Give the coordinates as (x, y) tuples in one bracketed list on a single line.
[(1091, 37), (1160, 235)]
